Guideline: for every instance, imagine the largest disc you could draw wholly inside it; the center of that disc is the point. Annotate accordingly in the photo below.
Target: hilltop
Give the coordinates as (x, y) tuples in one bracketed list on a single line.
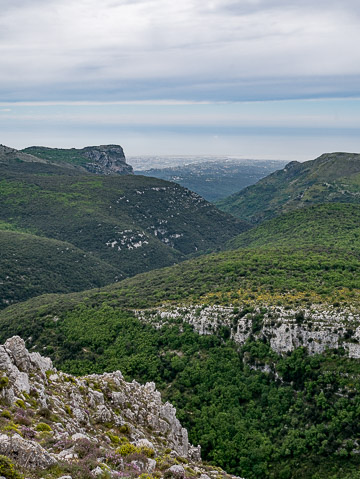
[(103, 159), (11, 155), (331, 178)]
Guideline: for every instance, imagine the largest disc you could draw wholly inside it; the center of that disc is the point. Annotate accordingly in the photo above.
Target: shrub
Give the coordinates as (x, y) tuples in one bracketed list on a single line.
[(21, 419), (147, 451), (127, 449), (27, 432), (124, 429), (12, 427), (300, 317), (20, 403), (6, 414), (68, 409), (4, 381), (7, 469), (45, 412), (114, 439), (42, 426), (86, 449)]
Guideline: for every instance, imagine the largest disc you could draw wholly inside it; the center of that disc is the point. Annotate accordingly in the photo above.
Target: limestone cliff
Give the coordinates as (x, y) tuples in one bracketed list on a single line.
[(106, 160), (317, 328)]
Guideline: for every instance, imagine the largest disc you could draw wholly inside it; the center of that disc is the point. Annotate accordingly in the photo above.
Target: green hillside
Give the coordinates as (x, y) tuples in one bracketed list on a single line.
[(58, 155), (327, 225), (331, 178), (31, 265), (300, 421), (133, 223), (124, 224)]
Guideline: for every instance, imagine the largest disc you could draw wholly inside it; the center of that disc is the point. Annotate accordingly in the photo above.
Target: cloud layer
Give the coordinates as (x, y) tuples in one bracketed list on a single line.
[(211, 50)]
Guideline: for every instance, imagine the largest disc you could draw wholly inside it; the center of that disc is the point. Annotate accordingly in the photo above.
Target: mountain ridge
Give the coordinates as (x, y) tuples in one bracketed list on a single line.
[(101, 160), (332, 177)]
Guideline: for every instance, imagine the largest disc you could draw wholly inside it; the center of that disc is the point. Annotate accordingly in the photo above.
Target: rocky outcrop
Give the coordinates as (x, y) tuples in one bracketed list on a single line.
[(317, 328), (106, 160), (11, 155), (100, 425), (26, 453)]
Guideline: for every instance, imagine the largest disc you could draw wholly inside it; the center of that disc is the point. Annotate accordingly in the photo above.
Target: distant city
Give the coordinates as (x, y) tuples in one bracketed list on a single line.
[(212, 177), (147, 162)]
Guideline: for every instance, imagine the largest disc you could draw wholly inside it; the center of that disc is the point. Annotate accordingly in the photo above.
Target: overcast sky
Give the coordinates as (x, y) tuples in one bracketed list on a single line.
[(265, 78)]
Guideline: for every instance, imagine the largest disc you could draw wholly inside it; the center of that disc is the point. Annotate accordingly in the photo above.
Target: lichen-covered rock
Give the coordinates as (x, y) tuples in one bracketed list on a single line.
[(26, 453), (176, 471)]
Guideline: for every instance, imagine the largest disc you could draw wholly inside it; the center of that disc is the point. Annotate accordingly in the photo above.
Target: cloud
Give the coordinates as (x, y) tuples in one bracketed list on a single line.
[(187, 51)]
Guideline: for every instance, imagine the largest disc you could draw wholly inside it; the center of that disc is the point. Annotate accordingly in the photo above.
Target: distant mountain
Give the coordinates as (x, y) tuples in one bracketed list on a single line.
[(217, 178), (103, 159), (333, 177)]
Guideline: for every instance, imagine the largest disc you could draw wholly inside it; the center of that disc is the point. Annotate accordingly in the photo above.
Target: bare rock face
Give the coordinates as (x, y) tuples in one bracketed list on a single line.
[(317, 328), (106, 160), (25, 452), (100, 425)]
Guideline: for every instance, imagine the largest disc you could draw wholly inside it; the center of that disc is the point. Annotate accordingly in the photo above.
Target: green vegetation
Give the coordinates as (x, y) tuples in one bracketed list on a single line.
[(248, 422), (303, 423), (331, 178), (113, 227), (31, 265), (129, 448), (58, 155), (270, 276), (327, 226), (42, 426), (300, 419), (7, 469)]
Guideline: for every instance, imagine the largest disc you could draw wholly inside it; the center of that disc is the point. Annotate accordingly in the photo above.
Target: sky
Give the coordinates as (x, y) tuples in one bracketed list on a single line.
[(248, 78)]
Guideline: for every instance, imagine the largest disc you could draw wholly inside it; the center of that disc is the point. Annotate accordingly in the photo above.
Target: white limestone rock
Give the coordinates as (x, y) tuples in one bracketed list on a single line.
[(26, 453)]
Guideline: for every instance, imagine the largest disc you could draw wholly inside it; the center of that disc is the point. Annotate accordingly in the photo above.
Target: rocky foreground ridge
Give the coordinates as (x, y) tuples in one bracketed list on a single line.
[(54, 425)]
